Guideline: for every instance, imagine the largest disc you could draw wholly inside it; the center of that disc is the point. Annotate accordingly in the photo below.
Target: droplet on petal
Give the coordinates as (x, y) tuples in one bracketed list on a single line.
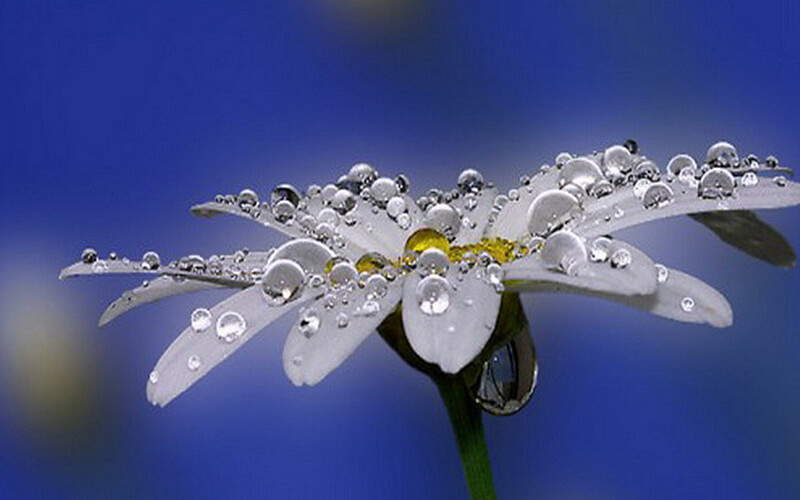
[(716, 183), (432, 261), (687, 304), (193, 363), (309, 323), (550, 210), (563, 250), (342, 274), (657, 195), (426, 238), (621, 258), (679, 162), (383, 190), (230, 326), (282, 281), (433, 295), (470, 181), (443, 218), (89, 256), (200, 320), (722, 154), (286, 192), (581, 172)]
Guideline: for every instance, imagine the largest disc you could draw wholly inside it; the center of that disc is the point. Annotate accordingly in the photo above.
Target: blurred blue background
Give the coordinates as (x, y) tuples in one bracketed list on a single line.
[(117, 116)]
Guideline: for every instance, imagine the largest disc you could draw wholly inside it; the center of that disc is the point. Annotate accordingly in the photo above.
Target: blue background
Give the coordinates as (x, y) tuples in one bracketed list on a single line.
[(116, 116)]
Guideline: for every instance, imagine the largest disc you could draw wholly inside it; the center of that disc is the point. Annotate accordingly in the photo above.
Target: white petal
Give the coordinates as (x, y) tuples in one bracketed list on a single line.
[(262, 216), (475, 220), (453, 338), (623, 209), (159, 288), (637, 278), (205, 350), (512, 221), (674, 297), (313, 351)]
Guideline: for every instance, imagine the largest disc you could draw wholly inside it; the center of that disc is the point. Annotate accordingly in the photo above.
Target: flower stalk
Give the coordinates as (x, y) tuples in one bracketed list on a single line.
[(465, 418)]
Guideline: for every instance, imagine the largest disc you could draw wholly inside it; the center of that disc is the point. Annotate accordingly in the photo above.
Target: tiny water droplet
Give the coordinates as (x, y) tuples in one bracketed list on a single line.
[(230, 326), (200, 320), (687, 304)]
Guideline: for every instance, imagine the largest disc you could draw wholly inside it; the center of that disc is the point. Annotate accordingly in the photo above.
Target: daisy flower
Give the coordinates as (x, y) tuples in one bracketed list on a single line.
[(438, 276)]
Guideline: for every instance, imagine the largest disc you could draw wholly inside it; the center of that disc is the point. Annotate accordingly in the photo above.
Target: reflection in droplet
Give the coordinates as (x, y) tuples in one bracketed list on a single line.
[(550, 210), (687, 304), (282, 281), (89, 255), (194, 362), (309, 323)]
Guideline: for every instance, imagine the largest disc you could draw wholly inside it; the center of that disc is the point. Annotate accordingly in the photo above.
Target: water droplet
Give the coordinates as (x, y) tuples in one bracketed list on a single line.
[(100, 266), (470, 201), (551, 210), (432, 261), (640, 187), (433, 295), (470, 181), (151, 261), (153, 378), (404, 221), (309, 254), (371, 262), (687, 175), (342, 274), (284, 211), (657, 195), (494, 274), (780, 181), (297, 360), (562, 158), (600, 249), (647, 170), (680, 162), (621, 258), (376, 286), (200, 320), (749, 179), (282, 281), (426, 238), (687, 304), (601, 188), (287, 192), (383, 190), (308, 323), (247, 199), (617, 158), (564, 251), (396, 206), (230, 326), (89, 256), (363, 173), (343, 201), (194, 362), (716, 183), (443, 218), (192, 263), (370, 308), (403, 184), (582, 172), (662, 273), (722, 154), (342, 320)]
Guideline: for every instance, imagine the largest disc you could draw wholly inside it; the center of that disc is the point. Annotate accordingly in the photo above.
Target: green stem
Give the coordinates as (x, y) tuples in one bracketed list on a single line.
[(465, 417)]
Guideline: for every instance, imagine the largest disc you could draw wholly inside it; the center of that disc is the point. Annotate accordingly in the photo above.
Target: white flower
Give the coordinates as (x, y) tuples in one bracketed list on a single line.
[(362, 246)]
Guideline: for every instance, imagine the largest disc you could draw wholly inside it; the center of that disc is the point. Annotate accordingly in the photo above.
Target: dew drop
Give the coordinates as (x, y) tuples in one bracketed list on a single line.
[(599, 249), (433, 295), (564, 251), (550, 210), (621, 258), (230, 326), (193, 363), (89, 256), (662, 273), (617, 158), (247, 199), (370, 308), (342, 320), (343, 201), (679, 162), (470, 181), (432, 261), (443, 218), (363, 173), (282, 281), (716, 183), (396, 206), (309, 323), (151, 261), (200, 320), (342, 274), (780, 181), (383, 190), (284, 211), (581, 172), (657, 195), (722, 154), (749, 179), (153, 378), (287, 192), (687, 304)]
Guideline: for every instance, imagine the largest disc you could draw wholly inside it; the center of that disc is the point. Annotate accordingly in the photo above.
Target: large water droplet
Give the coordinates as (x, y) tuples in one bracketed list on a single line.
[(470, 181), (343, 201), (151, 261), (617, 158), (282, 281), (550, 210), (716, 183), (284, 211), (581, 172), (679, 162), (200, 320), (376, 286), (311, 255), (363, 173), (247, 199), (564, 251), (432, 261), (383, 190), (508, 378), (443, 218), (342, 274), (722, 154), (621, 258), (230, 326), (433, 295), (396, 206), (657, 195)]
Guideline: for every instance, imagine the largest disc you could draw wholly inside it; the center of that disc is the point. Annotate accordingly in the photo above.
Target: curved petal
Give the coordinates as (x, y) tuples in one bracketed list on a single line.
[(157, 289), (743, 229), (459, 328), (193, 354), (624, 209), (684, 298), (323, 337), (636, 278), (260, 214)]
